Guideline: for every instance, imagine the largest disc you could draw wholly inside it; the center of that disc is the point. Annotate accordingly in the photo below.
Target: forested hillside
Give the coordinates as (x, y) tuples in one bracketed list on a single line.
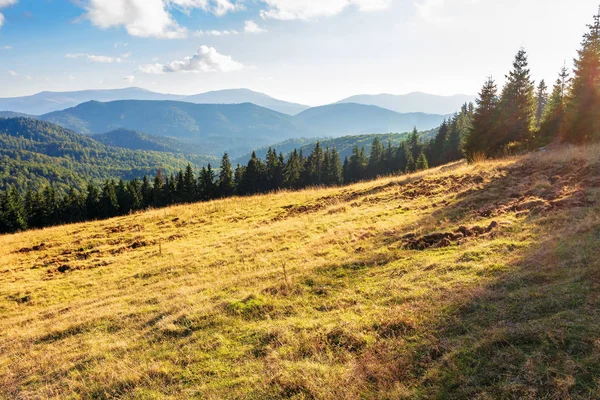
[(37, 154), (135, 140)]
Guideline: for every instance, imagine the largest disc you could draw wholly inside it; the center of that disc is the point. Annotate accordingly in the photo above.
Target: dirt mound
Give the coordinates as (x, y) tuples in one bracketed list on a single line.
[(445, 239), (41, 246)]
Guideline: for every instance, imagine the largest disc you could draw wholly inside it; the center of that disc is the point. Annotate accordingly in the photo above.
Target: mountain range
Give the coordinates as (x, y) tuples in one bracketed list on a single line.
[(45, 102), (235, 128), (413, 102)]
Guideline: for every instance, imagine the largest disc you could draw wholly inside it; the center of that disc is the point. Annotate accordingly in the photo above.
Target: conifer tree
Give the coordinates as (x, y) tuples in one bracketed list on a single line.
[(34, 208), (156, 195), (411, 165), (583, 109), (334, 173), (253, 179), (238, 178), (226, 186), (439, 143), (123, 198), (109, 205), (376, 158), (553, 120), (274, 171), (73, 206), (541, 98), (51, 208), (12, 212), (314, 168), (517, 103), (399, 158), (326, 167), (92, 202), (209, 187), (189, 192), (422, 163), (483, 135), (414, 144), (135, 194), (292, 171)]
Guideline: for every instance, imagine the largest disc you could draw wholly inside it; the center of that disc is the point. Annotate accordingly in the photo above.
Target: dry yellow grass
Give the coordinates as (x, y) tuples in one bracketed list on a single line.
[(325, 293)]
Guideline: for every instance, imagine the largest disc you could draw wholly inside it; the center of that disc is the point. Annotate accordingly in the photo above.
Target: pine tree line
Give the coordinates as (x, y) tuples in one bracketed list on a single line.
[(524, 117)]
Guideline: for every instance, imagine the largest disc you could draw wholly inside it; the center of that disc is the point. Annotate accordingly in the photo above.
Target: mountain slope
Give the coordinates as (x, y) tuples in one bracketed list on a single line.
[(237, 96), (353, 119), (217, 128), (135, 140), (442, 284), (413, 102), (36, 153), (235, 128)]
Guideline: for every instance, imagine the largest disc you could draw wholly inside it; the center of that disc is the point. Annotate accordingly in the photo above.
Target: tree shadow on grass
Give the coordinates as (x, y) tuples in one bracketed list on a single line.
[(530, 332)]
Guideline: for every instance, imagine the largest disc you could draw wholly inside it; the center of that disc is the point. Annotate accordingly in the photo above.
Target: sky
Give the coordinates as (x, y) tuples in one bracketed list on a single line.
[(307, 51)]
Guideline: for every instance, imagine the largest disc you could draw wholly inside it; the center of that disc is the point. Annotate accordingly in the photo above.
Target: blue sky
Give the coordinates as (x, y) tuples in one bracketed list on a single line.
[(308, 51)]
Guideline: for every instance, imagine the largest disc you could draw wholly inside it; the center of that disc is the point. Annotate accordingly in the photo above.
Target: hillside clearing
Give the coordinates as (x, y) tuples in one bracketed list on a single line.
[(467, 281)]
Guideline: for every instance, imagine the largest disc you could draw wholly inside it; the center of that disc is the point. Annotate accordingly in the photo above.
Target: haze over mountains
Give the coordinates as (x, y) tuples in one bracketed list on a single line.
[(413, 102), (46, 102)]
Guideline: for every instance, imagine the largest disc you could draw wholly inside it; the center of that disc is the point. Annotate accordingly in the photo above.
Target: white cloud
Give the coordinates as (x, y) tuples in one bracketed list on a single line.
[(216, 7), (307, 9), (129, 78), (7, 48), (12, 73), (152, 18), (5, 3), (215, 33), (99, 59), (142, 18), (207, 59), (28, 77), (71, 78), (252, 27)]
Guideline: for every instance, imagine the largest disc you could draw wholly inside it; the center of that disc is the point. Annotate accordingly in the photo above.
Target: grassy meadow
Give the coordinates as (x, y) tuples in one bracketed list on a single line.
[(462, 282)]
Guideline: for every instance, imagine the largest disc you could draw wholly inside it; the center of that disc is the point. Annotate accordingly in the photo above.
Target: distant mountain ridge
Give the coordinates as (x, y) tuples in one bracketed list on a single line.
[(235, 128), (413, 102), (46, 102)]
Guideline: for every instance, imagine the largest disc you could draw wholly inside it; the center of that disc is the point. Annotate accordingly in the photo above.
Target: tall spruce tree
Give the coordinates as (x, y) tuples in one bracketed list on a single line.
[(189, 192), (439, 143), (553, 120), (226, 186), (334, 173), (541, 98), (376, 159), (483, 135), (583, 109), (517, 103)]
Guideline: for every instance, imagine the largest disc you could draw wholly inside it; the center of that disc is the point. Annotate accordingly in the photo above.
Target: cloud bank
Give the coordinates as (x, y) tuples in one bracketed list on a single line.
[(151, 18)]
